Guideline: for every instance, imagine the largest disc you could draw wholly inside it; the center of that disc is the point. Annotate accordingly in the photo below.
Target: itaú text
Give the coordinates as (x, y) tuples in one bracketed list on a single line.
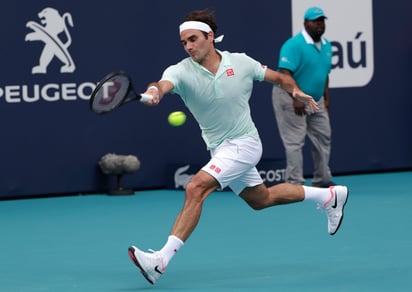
[(47, 92)]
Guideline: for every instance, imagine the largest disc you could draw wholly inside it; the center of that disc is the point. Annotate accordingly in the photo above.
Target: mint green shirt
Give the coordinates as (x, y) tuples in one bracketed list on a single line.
[(219, 103)]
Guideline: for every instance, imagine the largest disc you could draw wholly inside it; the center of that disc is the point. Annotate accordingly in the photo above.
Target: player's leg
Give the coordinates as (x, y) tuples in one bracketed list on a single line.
[(217, 173), (197, 190), (153, 265), (260, 197), (332, 199)]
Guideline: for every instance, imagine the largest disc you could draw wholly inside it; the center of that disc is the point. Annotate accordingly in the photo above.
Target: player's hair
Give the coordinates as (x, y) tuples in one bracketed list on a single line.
[(205, 15)]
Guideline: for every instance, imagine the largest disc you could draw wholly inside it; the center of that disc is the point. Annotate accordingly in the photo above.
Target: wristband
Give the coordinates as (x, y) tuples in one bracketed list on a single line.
[(153, 87)]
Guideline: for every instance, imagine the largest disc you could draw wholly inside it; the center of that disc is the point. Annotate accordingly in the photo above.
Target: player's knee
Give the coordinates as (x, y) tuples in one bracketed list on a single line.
[(256, 197), (197, 189), (193, 190)]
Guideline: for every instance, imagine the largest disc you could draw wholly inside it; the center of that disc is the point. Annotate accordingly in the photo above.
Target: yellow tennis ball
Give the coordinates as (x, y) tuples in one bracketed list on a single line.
[(176, 118)]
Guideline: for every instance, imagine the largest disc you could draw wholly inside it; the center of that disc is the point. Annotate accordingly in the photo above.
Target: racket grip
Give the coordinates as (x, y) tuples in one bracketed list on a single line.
[(145, 97)]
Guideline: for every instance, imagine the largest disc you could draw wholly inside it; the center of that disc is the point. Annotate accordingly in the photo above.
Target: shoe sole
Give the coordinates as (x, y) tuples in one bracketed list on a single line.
[(343, 207), (136, 262)]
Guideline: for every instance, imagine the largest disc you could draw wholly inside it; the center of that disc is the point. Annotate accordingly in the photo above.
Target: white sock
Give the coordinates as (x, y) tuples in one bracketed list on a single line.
[(318, 195), (171, 247)]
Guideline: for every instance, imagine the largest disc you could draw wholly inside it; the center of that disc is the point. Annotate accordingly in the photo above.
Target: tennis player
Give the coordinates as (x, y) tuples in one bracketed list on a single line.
[(216, 86)]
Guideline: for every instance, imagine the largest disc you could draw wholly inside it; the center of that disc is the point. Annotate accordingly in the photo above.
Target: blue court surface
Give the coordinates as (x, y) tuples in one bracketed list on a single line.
[(79, 243)]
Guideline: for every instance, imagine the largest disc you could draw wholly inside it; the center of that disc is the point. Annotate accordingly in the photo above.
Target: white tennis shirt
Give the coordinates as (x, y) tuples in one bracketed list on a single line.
[(219, 103)]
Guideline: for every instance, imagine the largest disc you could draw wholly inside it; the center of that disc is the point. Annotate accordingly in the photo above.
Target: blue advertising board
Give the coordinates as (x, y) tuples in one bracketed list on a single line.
[(54, 52)]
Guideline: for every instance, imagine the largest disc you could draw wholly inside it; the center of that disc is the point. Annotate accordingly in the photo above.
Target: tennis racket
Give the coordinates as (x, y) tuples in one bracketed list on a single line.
[(114, 90)]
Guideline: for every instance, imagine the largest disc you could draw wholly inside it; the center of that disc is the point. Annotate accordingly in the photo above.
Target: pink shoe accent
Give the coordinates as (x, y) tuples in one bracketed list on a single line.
[(332, 195)]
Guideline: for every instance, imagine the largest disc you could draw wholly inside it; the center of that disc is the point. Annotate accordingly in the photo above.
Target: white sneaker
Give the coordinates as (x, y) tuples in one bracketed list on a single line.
[(150, 264), (334, 207)]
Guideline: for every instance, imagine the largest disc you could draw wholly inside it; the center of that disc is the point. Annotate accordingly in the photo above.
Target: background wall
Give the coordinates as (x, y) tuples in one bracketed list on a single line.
[(51, 142)]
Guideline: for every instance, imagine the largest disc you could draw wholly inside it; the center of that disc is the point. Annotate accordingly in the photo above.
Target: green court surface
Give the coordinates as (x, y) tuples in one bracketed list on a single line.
[(79, 243)]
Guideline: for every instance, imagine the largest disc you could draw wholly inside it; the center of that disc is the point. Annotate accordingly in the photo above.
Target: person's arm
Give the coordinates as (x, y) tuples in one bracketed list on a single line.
[(298, 105), (158, 90), (326, 95), (289, 84)]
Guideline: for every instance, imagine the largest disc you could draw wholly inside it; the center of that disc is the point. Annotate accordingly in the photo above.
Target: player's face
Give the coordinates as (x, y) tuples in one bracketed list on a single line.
[(196, 44)]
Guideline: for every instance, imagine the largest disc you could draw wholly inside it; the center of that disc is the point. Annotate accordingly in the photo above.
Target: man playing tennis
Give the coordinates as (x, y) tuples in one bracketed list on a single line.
[(216, 87)]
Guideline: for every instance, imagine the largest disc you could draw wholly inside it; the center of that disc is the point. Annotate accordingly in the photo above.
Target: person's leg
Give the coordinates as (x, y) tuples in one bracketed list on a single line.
[(152, 265), (332, 199), (260, 197), (319, 132), (197, 190), (229, 161), (292, 130)]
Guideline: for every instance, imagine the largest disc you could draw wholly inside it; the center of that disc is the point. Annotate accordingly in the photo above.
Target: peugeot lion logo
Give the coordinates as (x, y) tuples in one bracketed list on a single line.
[(52, 24)]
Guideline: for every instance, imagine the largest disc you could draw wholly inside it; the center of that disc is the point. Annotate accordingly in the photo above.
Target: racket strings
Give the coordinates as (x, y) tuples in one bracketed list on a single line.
[(110, 93)]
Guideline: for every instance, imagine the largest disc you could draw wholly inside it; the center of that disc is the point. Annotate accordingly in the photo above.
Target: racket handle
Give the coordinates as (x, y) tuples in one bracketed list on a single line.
[(145, 97)]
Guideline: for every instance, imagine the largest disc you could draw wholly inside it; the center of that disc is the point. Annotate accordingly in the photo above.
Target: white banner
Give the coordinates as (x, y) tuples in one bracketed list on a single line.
[(350, 29)]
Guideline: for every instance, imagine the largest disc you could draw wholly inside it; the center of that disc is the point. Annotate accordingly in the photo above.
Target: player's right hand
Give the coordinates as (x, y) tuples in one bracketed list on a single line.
[(153, 91)]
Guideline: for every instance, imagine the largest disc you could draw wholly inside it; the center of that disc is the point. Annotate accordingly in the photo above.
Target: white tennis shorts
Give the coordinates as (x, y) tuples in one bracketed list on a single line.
[(233, 163)]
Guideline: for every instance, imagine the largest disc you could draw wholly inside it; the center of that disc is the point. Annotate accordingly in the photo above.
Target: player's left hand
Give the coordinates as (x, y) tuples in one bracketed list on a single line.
[(299, 94)]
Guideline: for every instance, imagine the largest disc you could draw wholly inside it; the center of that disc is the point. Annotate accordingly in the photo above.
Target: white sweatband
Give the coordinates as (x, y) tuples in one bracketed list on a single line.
[(153, 87), (194, 25)]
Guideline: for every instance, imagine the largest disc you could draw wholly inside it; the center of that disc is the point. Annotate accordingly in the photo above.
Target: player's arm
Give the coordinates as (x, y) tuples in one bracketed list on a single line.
[(289, 84), (158, 90), (299, 106), (286, 82)]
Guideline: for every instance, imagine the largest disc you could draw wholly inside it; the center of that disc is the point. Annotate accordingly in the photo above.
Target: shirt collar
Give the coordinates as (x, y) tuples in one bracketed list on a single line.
[(225, 63), (309, 39)]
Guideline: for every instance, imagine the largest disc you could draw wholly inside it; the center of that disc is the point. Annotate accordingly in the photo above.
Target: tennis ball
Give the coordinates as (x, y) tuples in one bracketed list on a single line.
[(176, 118)]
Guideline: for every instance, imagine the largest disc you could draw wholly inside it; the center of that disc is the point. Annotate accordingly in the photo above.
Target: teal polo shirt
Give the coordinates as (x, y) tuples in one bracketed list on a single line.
[(310, 66), (219, 103)]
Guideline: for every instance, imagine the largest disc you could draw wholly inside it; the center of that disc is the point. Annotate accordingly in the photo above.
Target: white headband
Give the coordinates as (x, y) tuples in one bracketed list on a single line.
[(199, 26), (194, 25)]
